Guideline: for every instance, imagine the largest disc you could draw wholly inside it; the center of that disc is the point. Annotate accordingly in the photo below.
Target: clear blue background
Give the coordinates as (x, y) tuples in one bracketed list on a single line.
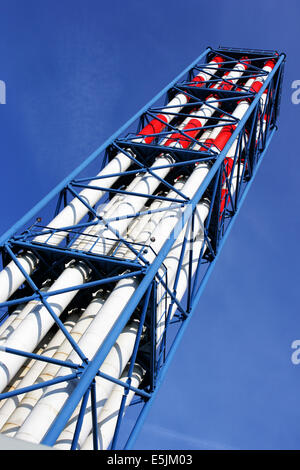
[(75, 72)]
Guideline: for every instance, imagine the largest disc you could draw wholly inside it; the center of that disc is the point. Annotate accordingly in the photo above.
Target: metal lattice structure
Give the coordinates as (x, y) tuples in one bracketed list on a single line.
[(137, 229)]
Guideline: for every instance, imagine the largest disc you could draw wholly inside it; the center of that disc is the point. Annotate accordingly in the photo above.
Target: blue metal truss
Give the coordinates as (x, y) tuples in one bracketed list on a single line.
[(107, 270)]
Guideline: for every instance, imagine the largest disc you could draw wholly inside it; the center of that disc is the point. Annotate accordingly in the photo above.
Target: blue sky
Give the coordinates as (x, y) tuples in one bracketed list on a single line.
[(75, 72)]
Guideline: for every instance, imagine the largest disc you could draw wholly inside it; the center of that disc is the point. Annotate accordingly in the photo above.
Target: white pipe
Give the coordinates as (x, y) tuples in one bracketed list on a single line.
[(113, 365), (38, 322), (17, 318), (8, 320), (134, 229), (202, 139), (15, 408), (35, 427), (11, 277), (106, 238), (171, 264), (188, 263), (105, 211), (144, 232), (262, 127), (110, 411), (13, 385)]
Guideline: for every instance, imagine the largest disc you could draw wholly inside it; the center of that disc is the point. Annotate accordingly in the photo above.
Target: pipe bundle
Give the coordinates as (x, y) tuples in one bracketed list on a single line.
[(31, 328)]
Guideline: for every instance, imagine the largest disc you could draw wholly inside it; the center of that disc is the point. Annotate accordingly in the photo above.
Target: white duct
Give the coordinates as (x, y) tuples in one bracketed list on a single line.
[(17, 317), (38, 321), (143, 234), (106, 238), (105, 211), (261, 126), (15, 409), (36, 425), (171, 263), (113, 365), (8, 320), (110, 411), (14, 384)]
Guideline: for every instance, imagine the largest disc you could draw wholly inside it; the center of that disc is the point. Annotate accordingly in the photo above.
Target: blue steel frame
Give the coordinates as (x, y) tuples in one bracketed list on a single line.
[(106, 270)]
